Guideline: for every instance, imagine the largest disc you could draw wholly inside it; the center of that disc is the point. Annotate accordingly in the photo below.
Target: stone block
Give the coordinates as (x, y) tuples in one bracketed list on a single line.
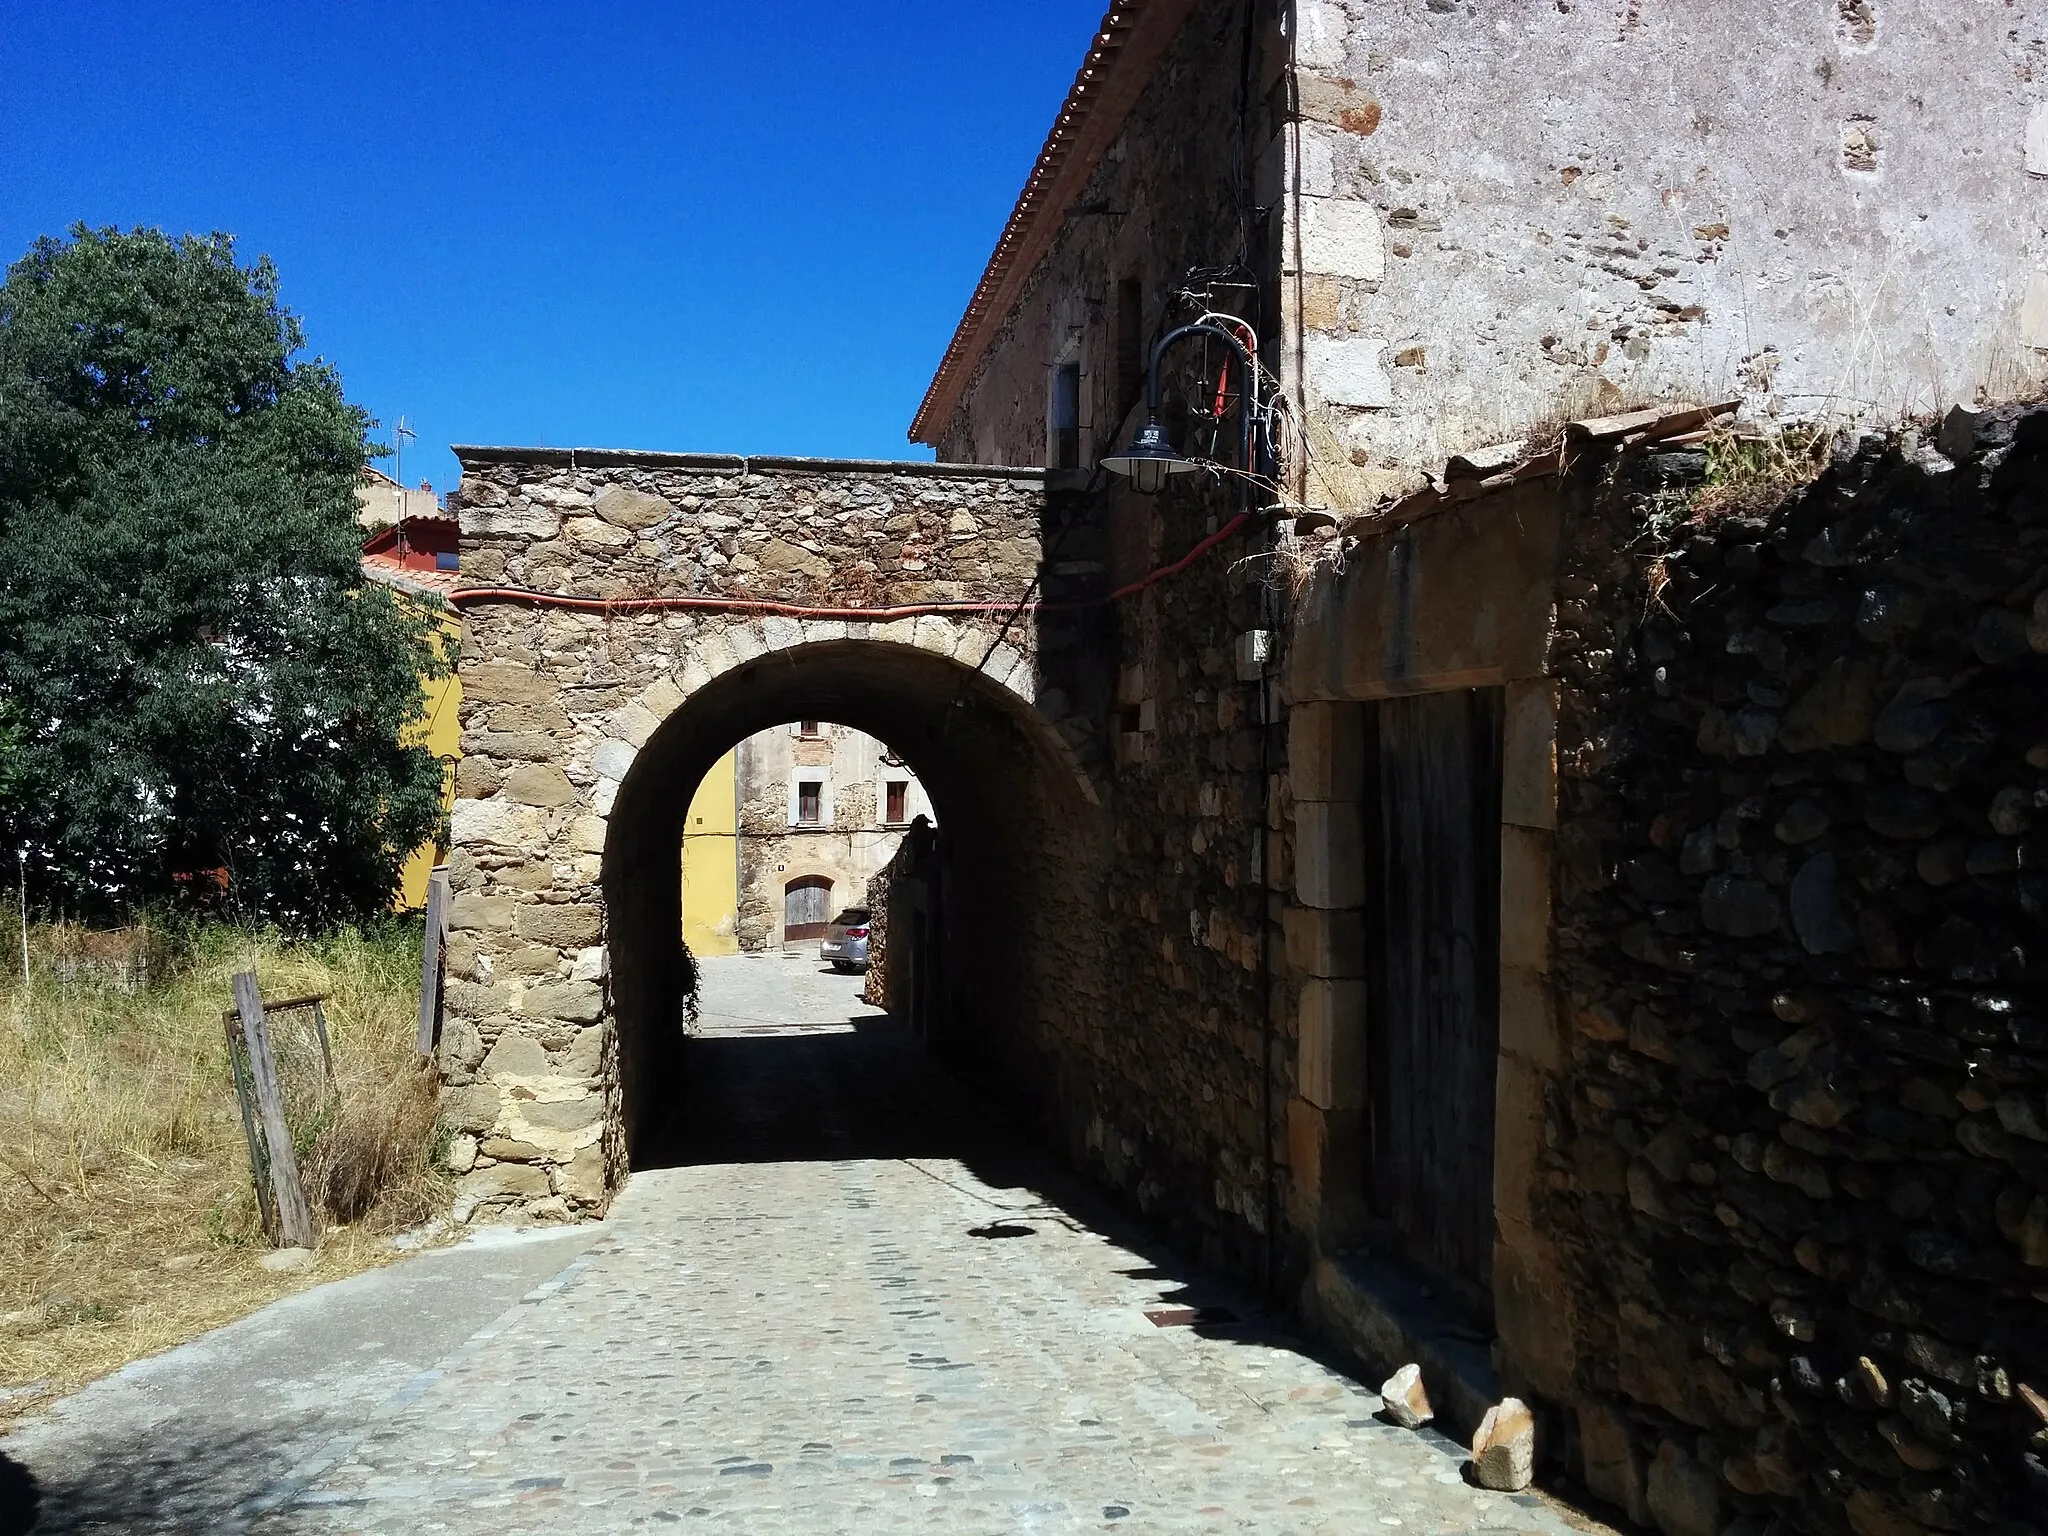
[(472, 1108), (496, 823), (1329, 854), (661, 698), (502, 1181), (582, 1179), (569, 926), (1326, 751), (1504, 1450), (1404, 1399), (575, 1002), (1525, 898), (1528, 791), (1528, 1017), (562, 1114), (504, 1149), (635, 723), (1324, 943), (935, 633), (541, 784), (1535, 1313), (1331, 1063), (1611, 1470), (626, 508), (1343, 237), (585, 1055), (585, 835), (595, 534), (1347, 370), (477, 777), (484, 914), (1518, 1141), (516, 1056), (500, 682), (613, 759), (1684, 1498), (514, 519)]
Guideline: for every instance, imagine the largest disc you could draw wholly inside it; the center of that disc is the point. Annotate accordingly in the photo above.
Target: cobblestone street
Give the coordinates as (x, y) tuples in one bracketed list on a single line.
[(837, 1326), (852, 1305)]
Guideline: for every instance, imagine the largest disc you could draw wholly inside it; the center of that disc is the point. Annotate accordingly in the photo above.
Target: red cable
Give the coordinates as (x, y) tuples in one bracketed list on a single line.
[(1185, 560)]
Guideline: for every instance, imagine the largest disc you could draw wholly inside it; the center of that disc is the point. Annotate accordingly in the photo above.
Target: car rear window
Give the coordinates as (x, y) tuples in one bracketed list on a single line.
[(853, 915)]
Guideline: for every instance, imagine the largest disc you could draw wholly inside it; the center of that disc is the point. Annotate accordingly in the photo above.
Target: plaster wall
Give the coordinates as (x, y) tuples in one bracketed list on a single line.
[(1503, 215)]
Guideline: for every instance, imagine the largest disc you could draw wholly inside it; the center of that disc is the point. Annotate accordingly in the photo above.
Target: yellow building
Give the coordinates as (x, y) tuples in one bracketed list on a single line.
[(441, 734), (711, 863), (418, 559)]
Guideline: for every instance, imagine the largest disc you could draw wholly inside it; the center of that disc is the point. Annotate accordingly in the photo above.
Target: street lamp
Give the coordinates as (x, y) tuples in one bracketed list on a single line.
[(1151, 459)]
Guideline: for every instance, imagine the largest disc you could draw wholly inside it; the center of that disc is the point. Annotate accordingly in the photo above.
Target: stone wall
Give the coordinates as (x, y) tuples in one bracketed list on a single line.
[(1175, 1100), (1799, 1149), (1171, 195), (584, 728), (1502, 215)]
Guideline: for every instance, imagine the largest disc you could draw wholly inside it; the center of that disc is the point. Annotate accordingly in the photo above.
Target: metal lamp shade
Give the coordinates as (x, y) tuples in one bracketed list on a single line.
[(1149, 460)]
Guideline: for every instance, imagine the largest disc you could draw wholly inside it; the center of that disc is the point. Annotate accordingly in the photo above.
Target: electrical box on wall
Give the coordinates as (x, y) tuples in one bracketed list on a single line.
[(1255, 652)]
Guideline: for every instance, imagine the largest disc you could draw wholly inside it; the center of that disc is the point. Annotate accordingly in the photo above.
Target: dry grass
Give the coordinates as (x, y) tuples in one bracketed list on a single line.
[(1749, 472), (127, 1218)]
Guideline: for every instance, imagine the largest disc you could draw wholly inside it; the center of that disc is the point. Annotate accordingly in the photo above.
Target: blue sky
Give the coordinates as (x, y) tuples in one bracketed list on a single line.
[(704, 224)]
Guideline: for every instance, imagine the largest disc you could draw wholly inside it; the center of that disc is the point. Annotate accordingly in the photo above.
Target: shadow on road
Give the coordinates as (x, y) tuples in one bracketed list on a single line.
[(176, 1476), (20, 1498), (864, 1090)]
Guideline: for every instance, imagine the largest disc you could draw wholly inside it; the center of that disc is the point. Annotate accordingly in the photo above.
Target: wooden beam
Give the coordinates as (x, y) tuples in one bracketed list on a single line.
[(433, 961), (294, 1220)]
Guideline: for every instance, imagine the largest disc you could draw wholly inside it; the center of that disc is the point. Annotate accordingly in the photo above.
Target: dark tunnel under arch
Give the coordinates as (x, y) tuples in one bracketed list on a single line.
[(1013, 807)]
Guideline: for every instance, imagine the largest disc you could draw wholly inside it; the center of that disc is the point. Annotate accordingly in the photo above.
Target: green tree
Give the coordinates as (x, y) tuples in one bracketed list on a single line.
[(194, 673)]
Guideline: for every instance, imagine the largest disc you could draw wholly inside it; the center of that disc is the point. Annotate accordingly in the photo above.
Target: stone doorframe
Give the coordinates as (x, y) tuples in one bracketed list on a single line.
[(1462, 600), (531, 1054)]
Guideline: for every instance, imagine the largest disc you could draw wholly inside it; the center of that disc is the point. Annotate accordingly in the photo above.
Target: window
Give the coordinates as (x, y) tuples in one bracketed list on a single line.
[(1063, 434), (1130, 346), (810, 730), (810, 802), (897, 802)]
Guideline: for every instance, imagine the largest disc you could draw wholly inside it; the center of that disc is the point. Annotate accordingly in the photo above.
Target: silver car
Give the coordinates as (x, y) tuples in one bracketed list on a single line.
[(846, 940)]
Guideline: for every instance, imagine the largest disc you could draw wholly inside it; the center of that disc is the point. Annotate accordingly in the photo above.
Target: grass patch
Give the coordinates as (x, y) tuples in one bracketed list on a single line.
[(127, 1218), (1749, 473)]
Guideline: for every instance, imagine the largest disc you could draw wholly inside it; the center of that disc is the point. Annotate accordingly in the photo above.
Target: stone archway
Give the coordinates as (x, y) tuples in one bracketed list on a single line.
[(1006, 789), (633, 637)]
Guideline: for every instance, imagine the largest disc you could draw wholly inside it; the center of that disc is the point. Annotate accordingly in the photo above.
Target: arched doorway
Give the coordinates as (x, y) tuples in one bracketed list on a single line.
[(1016, 813)]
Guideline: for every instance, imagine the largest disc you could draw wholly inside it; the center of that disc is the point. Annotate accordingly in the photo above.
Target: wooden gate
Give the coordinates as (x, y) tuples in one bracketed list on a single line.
[(1432, 819), (806, 908)]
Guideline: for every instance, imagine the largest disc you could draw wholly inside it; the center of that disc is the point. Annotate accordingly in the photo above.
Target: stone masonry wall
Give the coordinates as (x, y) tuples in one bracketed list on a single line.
[(1801, 1153), (1165, 1102), (557, 705)]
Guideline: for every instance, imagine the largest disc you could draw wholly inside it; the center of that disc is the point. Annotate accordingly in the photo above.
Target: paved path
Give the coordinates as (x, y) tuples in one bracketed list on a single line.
[(853, 1305)]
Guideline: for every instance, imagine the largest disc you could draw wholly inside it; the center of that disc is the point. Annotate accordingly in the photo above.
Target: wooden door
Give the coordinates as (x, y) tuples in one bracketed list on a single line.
[(806, 908), (1432, 820)]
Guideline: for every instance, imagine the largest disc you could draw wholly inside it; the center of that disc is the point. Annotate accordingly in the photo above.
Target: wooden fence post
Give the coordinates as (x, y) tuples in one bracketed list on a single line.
[(294, 1221), (433, 962)]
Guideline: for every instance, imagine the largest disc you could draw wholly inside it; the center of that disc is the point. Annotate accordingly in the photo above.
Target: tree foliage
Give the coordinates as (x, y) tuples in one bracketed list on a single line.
[(193, 673)]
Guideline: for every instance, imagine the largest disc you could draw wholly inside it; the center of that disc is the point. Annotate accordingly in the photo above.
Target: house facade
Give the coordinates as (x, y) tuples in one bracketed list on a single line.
[(786, 831)]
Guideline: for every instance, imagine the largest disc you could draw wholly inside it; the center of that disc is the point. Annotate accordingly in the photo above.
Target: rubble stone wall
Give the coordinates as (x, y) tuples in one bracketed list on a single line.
[(1798, 1150), (563, 709)]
